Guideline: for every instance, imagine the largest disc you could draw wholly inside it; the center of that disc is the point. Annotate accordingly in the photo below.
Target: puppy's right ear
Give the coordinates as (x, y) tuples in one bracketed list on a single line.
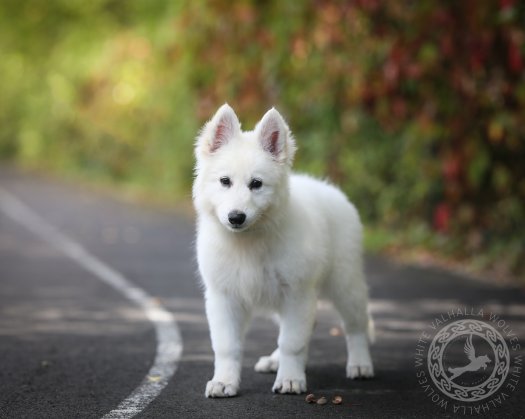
[(218, 131)]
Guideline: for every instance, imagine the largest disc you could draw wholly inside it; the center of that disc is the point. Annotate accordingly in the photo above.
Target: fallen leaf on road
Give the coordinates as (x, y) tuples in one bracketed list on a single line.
[(337, 400), (310, 398), (335, 331)]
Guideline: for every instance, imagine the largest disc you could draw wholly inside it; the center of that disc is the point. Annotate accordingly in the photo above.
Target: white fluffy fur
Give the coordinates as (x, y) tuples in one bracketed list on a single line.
[(301, 240)]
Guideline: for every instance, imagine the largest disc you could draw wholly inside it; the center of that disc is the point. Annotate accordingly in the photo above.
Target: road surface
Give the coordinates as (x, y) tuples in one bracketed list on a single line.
[(73, 345)]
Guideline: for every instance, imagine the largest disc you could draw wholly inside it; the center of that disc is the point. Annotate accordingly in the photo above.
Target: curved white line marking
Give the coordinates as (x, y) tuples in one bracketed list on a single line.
[(169, 342)]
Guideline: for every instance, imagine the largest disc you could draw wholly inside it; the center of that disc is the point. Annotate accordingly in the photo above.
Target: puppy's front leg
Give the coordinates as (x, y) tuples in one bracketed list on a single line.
[(297, 319), (227, 319)]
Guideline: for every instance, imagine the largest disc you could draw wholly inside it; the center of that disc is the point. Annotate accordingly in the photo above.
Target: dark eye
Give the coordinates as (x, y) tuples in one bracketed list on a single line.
[(225, 181), (255, 184)]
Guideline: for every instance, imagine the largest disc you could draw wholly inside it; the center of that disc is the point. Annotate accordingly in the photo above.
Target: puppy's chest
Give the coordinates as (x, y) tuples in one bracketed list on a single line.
[(256, 278)]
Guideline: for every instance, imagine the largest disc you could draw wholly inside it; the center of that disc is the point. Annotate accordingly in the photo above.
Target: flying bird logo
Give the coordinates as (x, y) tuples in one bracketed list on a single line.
[(476, 362)]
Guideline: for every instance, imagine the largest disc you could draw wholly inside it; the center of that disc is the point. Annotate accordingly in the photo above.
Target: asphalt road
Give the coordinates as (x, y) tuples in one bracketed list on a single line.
[(73, 347)]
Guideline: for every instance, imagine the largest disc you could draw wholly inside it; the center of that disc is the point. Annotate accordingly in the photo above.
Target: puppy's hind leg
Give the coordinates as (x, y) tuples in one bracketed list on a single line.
[(351, 300), (268, 363)]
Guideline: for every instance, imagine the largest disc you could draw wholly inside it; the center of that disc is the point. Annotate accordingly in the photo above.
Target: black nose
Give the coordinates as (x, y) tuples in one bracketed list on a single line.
[(236, 218)]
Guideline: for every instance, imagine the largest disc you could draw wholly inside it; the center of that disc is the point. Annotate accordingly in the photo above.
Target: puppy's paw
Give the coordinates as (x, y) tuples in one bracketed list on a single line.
[(220, 389), (289, 385), (267, 364), (365, 370)]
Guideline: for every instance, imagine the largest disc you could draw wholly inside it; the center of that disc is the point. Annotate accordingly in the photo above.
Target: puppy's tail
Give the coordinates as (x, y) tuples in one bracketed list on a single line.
[(371, 329)]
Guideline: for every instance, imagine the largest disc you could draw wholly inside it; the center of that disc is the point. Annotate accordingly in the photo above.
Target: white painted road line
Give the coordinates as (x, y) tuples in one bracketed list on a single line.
[(169, 342)]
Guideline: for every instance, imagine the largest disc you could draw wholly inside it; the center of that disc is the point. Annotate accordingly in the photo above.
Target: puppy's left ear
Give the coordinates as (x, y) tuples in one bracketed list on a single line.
[(275, 137)]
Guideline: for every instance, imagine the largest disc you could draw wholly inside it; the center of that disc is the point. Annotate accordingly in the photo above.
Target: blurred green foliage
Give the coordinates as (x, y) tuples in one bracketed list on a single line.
[(90, 87), (415, 108)]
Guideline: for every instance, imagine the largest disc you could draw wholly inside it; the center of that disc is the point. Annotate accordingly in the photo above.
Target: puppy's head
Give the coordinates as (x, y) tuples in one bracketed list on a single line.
[(241, 175)]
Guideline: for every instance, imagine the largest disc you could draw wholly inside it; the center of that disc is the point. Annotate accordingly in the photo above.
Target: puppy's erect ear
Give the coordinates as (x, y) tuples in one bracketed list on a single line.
[(218, 131), (275, 137)]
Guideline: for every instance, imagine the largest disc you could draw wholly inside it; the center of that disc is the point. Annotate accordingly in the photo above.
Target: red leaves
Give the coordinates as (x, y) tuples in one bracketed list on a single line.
[(514, 57), (506, 4), (441, 217), (452, 168)]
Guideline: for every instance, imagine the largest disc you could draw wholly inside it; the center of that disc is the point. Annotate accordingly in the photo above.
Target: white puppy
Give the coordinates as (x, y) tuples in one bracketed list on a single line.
[(272, 240)]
